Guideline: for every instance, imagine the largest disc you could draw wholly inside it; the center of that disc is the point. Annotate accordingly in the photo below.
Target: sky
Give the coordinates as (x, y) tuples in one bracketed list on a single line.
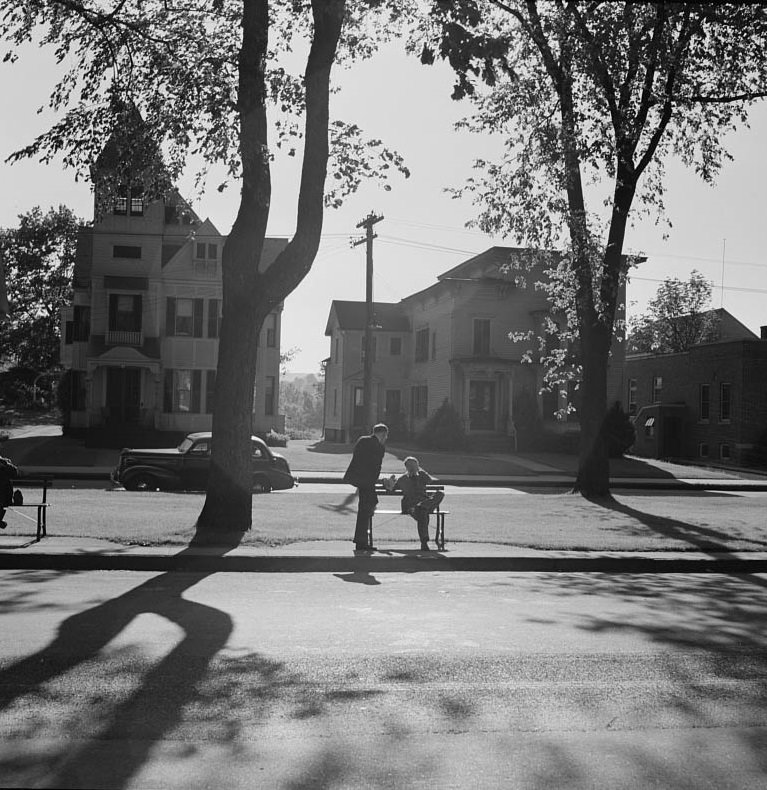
[(721, 231)]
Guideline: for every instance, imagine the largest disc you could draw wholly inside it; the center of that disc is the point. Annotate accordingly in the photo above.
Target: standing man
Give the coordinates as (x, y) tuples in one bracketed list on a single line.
[(363, 472)]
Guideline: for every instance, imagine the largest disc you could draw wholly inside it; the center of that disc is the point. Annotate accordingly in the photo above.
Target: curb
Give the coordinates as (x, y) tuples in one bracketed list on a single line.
[(380, 564)]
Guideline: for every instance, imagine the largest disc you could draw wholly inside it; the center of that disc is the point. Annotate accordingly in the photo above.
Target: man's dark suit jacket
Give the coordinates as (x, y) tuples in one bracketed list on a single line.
[(365, 466)]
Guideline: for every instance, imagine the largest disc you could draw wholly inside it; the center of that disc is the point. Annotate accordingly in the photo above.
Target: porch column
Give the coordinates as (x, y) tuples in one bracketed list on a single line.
[(466, 403)]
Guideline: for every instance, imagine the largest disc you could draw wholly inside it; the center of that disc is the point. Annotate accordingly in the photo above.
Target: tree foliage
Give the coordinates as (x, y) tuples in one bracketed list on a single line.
[(39, 258), (301, 401), (677, 318), (205, 77), (591, 99)]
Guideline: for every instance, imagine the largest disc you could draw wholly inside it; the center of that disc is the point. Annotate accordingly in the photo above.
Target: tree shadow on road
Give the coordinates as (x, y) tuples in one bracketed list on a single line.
[(149, 712)]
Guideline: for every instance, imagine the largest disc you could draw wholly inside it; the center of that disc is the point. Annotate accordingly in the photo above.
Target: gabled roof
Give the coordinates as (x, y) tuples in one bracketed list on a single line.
[(207, 229), (388, 316), (488, 264)]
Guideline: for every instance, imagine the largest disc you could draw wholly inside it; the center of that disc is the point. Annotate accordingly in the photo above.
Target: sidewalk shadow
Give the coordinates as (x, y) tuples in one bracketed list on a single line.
[(155, 707)]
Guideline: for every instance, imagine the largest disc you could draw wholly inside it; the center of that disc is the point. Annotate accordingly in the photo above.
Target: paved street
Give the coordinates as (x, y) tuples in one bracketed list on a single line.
[(175, 680), (400, 669)]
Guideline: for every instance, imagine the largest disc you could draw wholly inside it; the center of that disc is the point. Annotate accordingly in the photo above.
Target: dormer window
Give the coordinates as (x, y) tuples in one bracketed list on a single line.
[(206, 252), (129, 200)]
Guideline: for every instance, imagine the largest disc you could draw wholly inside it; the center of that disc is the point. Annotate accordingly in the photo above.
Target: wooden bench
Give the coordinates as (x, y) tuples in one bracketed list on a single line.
[(439, 536), (41, 506)]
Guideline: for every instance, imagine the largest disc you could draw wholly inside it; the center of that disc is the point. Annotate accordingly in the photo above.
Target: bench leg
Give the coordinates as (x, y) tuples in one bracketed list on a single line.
[(439, 538), (40, 515)]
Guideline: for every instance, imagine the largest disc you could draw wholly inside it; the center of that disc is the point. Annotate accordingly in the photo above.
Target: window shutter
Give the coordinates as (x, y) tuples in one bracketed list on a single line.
[(137, 312), (170, 316), (112, 312), (167, 399), (196, 389), (210, 390), (68, 332), (197, 331), (213, 318)]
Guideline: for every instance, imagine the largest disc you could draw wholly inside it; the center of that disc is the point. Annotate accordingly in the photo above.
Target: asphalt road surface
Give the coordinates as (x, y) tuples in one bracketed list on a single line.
[(386, 680)]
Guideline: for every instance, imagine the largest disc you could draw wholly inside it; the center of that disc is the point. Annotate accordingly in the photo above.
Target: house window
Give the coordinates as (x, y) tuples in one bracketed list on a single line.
[(210, 390), (184, 324), (657, 388), (126, 251), (725, 402), (269, 395), (481, 337), (393, 403), (724, 452), (395, 346), (129, 201), (206, 252), (703, 450), (214, 317), (271, 330), (182, 391), (422, 345), (704, 397), (338, 340), (183, 317), (632, 397), (433, 345), (419, 397), (649, 427), (124, 312), (137, 205)]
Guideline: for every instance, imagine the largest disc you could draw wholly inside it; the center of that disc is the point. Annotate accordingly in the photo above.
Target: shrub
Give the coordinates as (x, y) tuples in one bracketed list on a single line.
[(619, 431), (443, 430), (274, 439)]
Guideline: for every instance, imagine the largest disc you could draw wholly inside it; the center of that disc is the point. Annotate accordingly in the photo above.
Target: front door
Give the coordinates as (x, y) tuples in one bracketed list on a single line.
[(123, 395), (481, 405)]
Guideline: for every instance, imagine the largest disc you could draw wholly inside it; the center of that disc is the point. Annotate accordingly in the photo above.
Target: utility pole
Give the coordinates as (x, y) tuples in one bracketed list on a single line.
[(367, 372)]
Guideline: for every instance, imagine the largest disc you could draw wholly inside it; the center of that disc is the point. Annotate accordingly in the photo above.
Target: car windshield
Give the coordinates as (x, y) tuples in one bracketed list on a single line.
[(185, 445)]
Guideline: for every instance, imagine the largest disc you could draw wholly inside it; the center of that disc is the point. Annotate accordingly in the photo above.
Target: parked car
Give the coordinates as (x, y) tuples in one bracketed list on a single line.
[(187, 467)]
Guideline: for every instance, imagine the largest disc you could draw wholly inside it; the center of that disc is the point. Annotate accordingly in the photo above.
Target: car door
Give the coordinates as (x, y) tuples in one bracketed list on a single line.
[(261, 458), (196, 466)]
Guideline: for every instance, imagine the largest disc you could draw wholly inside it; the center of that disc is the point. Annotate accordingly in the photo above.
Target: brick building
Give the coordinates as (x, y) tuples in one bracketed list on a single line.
[(708, 403)]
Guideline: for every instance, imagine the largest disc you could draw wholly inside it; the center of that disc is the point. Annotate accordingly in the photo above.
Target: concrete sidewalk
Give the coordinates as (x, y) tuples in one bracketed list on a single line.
[(76, 554)]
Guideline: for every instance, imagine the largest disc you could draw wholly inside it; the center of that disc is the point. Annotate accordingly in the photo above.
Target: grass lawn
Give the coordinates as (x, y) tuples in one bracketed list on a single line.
[(649, 522)]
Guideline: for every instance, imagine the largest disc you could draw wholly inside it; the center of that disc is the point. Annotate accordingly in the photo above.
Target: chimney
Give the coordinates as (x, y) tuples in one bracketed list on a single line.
[(763, 330)]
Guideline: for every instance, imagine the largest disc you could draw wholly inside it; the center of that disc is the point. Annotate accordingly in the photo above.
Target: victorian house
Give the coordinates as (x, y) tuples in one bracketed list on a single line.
[(140, 339)]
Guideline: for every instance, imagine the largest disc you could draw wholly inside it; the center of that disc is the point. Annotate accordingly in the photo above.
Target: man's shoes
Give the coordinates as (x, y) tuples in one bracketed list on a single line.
[(425, 547), (363, 548), (3, 525)]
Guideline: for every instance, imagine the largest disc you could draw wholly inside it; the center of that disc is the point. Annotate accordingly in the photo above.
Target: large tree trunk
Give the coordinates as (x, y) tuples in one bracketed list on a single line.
[(596, 334), (593, 479), (249, 295)]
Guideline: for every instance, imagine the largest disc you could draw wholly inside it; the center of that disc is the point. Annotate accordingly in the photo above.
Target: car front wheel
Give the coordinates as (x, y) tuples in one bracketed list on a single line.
[(261, 485), (142, 482)]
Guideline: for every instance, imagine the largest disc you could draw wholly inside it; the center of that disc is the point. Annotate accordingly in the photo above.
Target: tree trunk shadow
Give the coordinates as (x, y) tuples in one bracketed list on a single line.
[(156, 706), (705, 539)]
